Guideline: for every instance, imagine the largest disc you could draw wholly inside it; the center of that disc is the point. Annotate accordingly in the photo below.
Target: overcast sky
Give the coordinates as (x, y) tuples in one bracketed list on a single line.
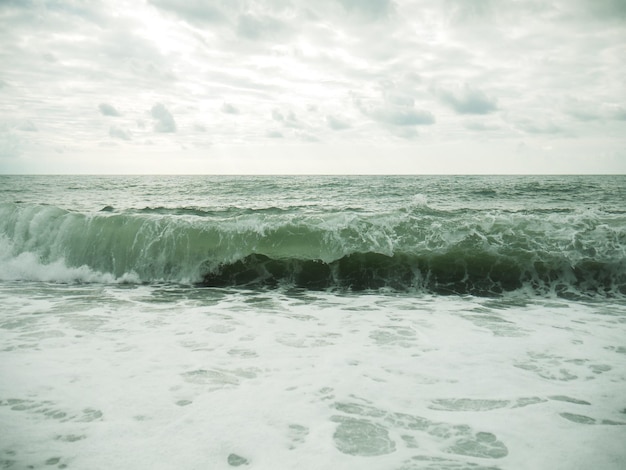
[(303, 86)]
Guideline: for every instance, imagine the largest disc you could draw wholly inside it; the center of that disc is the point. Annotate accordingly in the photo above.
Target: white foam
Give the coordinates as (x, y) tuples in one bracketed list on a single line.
[(419, 201), (27, 266), (149, 377)]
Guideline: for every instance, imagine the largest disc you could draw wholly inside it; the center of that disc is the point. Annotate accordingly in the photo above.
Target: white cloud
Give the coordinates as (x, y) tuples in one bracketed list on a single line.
[(342, 73)]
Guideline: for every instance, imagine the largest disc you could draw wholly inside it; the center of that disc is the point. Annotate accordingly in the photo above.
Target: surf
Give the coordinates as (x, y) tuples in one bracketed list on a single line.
[(408, 249)]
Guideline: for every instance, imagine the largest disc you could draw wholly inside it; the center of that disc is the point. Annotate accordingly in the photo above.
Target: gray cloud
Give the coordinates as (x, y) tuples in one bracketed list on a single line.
[(371, 9), (27, 126), (194, 11), (10, 143), (307, 137), (463, 11), (255, 27), (582, 111), (93, 12), (336, 124), (406, 60), (164, 120), (406, 132), (277, 115), (274, 134), (618, 113), (228, 108), (588, 111), (397, 110), (479, 126), (289, 119), (401, 115), (467, 100), (537, 126), (108, 110), (606, 9), (119, 133)]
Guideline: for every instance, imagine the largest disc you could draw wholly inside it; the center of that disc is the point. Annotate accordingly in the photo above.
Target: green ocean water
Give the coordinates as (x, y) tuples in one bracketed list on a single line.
[(383, 323), (447, 235)]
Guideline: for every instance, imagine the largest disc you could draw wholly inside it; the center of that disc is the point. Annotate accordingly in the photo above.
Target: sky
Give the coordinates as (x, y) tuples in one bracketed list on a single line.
[(324, 86)]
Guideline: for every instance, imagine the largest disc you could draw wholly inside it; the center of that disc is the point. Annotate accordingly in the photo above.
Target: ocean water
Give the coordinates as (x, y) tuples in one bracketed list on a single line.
[(313, 322)]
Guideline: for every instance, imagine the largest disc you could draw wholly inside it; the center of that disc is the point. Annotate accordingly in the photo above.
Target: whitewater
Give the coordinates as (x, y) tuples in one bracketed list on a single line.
[(314, 322)]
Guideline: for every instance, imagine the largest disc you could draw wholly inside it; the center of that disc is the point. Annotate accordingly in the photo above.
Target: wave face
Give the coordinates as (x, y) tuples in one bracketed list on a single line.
[(408, 246)]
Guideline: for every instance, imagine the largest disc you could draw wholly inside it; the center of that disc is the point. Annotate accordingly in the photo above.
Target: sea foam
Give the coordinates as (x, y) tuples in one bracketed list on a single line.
[(164, 377)]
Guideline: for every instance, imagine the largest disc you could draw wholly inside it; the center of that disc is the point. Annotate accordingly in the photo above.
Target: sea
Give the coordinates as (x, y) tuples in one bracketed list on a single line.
[(313, 322)]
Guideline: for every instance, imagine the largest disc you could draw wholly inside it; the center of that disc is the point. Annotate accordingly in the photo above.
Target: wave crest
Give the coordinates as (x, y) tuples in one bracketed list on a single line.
[(458, 252)]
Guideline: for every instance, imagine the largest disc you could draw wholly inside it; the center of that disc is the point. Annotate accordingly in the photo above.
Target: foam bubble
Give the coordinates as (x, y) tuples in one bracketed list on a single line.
[(173, 377)]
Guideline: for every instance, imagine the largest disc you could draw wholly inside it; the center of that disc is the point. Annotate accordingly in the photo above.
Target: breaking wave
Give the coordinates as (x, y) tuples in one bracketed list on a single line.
[(414, 249)]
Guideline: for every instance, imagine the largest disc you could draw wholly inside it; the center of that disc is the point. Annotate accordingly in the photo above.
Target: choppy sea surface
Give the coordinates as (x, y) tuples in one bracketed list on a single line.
[(313, 322)]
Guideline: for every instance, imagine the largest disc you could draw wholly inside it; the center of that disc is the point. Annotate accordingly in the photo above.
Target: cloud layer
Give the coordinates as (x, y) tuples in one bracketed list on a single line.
[(413, 79)]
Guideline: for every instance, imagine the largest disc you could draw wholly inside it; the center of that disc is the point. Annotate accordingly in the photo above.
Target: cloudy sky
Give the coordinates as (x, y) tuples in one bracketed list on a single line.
[(303, 86)]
